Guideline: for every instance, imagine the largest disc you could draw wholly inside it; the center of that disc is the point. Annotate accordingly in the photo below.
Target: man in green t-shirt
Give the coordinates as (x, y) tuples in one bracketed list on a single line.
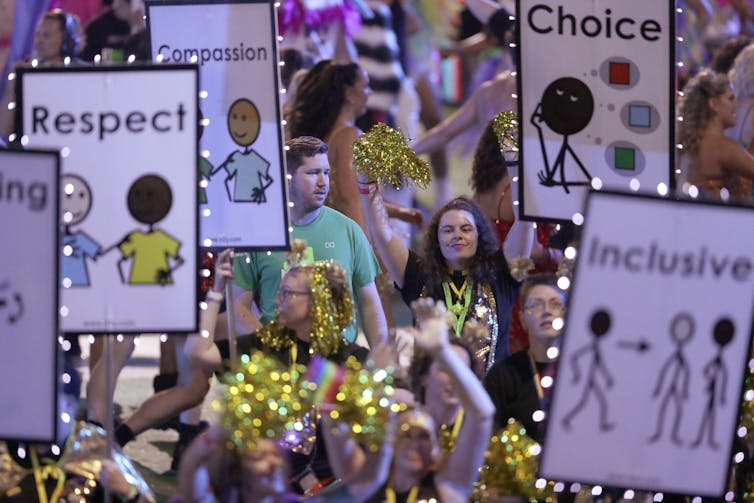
[(329, 235)]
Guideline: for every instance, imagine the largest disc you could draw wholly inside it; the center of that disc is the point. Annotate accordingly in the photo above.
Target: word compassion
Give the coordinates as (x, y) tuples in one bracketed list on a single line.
[(104, 123), (654, 259), (216, 54)]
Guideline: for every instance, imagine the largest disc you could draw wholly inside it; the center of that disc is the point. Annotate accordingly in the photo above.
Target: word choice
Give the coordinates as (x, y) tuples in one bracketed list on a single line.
[(104, 123), (542, 19)]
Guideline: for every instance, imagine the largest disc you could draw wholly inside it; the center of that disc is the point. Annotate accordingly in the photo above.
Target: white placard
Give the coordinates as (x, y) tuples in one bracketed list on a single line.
[(29, 295), (244, 201), (596, 86), (657, 341), (128, 139)]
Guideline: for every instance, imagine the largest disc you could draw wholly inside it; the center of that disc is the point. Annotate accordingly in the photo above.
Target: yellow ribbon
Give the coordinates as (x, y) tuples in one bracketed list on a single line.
[(41, 473)]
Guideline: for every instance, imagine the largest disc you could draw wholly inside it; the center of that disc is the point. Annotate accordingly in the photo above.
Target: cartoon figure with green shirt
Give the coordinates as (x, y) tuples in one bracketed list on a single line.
[(149, 201), (248, 170)]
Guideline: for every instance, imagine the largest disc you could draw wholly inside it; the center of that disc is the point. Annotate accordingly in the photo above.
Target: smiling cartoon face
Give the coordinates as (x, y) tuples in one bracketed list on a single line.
[(243, 122), (149, 199), (567, 105), (76, 199)]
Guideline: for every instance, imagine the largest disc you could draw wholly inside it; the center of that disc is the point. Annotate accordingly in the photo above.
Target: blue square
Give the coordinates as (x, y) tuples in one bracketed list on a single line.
[(639, 116)]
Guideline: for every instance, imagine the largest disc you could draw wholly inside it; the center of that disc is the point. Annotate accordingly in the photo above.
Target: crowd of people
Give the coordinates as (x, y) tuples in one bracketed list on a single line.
[(481, 283)]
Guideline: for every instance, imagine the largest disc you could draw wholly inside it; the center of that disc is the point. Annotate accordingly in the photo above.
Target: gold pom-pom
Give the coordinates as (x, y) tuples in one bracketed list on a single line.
[(329, 317), (510, 468), (505, 125), (363, 403), (520, 267), (383, 155), (264, 399), (295, 256), (747, 408), (276, 336)]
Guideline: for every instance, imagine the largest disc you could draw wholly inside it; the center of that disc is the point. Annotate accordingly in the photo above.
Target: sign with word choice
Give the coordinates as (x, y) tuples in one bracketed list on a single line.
[(29, 294), (596, 84), (243, 200), (129, 223), (656, 346)]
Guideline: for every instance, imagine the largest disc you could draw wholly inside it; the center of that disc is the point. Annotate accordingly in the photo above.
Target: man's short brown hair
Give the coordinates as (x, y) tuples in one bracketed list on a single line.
[(301, 148)]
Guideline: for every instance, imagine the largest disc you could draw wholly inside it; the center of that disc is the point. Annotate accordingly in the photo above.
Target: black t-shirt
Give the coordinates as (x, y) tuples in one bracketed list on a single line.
[(504, 288), (105, 30), (510, 384)]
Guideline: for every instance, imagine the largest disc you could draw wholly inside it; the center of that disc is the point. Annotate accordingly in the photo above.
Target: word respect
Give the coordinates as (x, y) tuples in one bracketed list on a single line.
[(104, 123)]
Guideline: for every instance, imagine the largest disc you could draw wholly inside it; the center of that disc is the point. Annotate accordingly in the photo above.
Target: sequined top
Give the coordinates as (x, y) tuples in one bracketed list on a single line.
[(491, 305)]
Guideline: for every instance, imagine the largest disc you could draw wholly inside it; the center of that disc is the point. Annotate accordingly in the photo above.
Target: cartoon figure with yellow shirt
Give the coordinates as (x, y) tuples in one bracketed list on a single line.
[(246, 168), (149, 201)]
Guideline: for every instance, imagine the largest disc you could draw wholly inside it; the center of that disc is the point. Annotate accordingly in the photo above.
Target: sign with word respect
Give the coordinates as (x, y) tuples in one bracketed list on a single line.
[(128, 139), (29, 295), (242, 198), (656, 345), (596, 84)]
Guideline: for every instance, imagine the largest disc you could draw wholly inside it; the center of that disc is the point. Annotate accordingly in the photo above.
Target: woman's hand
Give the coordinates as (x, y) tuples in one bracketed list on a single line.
[(431, 317), (223, 269)]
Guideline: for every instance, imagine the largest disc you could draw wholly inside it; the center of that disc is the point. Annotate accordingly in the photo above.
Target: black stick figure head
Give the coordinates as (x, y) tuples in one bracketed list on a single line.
[(567, 105), (723, 332), (600, 323), (149, 199), (682, 328)]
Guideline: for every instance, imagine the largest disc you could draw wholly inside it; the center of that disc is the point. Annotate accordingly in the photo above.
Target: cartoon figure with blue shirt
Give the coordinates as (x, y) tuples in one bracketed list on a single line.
[(76, 202), (248, 170)]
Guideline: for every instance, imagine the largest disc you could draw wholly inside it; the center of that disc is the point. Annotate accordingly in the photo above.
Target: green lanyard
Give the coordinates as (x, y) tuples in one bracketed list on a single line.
[(458, 311)]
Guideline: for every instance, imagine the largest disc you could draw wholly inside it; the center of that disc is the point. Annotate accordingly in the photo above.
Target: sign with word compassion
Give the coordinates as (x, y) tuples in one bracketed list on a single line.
[(596, 86), (656, 345), (129, 231), (243, 186), (29, 294)]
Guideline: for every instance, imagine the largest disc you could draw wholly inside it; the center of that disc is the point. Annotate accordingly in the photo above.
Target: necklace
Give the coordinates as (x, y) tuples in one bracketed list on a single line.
[(391, 497), (448, 436), (458, 310)]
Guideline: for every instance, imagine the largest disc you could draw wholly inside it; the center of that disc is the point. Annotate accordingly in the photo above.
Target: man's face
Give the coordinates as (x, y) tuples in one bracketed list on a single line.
[(310, 183)]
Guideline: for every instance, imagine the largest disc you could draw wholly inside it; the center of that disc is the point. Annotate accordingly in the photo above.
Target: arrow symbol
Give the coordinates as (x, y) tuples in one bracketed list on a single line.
[(640, 346)]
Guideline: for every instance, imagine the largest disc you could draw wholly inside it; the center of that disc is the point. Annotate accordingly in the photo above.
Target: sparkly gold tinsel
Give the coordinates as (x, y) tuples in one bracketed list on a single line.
[(264, 399), (383, 154), (520, 267), (510, 468), (505, 126), (747, 408), (329, 318), (363, 403)]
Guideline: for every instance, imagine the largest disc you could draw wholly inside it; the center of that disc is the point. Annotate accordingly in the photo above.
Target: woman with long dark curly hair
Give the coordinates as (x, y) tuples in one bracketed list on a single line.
[(328, 101), (460, 262), (714, 164)]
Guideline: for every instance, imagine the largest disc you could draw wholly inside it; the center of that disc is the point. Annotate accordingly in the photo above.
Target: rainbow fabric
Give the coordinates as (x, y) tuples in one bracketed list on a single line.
[(327, 376)]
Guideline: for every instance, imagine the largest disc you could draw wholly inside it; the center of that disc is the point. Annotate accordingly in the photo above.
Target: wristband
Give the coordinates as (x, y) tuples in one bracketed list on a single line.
[(366, 187), (216, 296)]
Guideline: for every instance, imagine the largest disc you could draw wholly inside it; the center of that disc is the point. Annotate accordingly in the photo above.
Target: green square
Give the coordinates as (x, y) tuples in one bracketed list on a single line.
[(625, 158)]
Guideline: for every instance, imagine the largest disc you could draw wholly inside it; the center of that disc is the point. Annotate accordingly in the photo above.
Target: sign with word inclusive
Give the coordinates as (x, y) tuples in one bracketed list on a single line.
[(653, 361), (596, 83), (29, 295), (242, 199), (128, 138)]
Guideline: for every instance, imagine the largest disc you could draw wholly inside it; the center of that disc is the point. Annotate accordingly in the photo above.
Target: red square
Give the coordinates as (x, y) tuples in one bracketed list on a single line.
[(620, 73)]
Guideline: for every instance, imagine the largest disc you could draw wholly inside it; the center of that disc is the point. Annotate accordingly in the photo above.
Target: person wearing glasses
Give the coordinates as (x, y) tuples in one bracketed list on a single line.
[(329, 234), (520, 385)]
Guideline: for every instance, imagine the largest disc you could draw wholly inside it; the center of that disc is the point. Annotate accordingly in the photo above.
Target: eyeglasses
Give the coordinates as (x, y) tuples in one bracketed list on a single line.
[(286, 293), (539, 305)]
